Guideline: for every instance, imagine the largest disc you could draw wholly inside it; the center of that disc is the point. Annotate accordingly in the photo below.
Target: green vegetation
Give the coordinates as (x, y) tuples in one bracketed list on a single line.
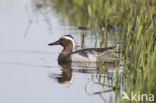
[(137, 22)]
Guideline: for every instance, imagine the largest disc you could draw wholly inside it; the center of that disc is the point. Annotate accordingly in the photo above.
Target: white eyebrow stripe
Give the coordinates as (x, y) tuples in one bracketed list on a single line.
[(69, 38)]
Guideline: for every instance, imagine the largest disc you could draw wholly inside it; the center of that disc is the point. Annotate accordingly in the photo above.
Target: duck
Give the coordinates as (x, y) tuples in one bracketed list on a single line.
[(94, 55)]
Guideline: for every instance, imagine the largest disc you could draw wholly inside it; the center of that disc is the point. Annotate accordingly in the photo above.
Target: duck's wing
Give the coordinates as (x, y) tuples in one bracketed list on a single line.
[(93, 51), (102, 51)]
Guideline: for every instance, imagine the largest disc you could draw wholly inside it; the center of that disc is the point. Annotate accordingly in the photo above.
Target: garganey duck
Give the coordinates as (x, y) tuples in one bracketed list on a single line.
[(83, 55)]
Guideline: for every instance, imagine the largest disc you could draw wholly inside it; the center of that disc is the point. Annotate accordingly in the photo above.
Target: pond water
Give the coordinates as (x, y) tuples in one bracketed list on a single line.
[(29, 72)]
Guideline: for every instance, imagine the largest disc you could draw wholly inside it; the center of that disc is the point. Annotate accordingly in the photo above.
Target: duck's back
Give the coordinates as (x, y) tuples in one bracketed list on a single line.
[(90, 54)]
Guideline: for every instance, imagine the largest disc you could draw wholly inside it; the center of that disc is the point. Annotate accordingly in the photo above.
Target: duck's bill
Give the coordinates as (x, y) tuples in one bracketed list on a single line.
[(55, 43)]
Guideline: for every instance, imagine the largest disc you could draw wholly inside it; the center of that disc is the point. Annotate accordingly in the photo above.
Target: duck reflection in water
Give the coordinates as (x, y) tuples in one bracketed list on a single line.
[(66, 77)]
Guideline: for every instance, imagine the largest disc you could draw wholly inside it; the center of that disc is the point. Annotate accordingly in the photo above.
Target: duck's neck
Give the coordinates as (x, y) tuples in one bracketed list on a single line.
[(65, 52)]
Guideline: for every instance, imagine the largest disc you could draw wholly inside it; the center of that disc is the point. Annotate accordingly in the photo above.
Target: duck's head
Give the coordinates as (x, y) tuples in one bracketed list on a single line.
[(66, 41)]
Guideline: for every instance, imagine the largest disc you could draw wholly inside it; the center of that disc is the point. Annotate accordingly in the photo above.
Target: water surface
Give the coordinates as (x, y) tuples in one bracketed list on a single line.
[(29, 72)]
